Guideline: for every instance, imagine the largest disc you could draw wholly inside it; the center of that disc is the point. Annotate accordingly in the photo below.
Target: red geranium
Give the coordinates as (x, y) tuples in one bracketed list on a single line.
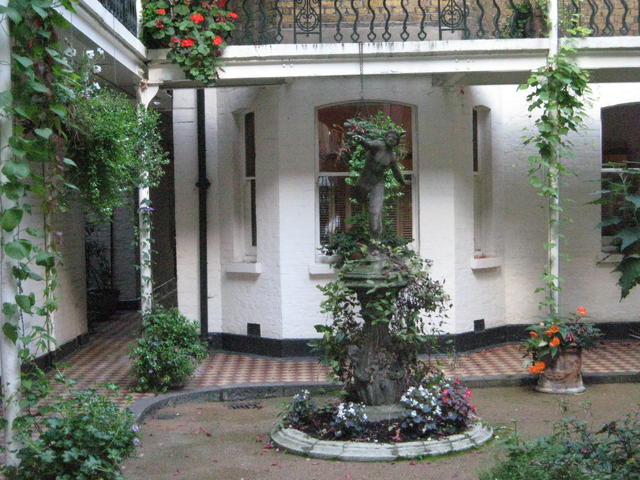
[(161, 11), (218, 40), (233, 15), (159, 24), (174, 40), (197, 18), (187, 42), (222, 3)]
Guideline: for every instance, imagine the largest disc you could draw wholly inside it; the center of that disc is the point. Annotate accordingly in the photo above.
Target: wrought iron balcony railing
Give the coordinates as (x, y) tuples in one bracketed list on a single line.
[(125, 12), (338, 21)]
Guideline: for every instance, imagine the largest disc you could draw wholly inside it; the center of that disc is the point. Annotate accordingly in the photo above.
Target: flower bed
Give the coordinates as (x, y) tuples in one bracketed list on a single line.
[(435, 409)]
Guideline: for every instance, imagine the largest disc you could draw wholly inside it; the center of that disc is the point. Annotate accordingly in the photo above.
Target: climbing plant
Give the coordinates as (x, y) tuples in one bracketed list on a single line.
[(33, 170), (558, 93)]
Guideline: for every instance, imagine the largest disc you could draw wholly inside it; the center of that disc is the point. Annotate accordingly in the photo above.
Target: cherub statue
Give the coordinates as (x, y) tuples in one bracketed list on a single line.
[(371, 182)]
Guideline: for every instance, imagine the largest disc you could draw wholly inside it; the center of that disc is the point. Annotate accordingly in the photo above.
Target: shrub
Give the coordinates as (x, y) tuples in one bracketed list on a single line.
[(349, 419), (167, 351), (575, 451), (83, 437), (441, 407)]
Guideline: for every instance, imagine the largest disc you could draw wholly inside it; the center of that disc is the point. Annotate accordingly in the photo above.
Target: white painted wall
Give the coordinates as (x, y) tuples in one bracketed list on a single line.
[(280, 294)]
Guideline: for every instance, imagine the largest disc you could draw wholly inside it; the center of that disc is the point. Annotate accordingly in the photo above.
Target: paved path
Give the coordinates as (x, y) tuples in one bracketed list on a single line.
[(105, 359)]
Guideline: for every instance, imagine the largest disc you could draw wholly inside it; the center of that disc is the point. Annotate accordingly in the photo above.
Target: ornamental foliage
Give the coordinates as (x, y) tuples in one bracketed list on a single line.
[(620, 192), (195, 33), (167, 352), (82, 436)]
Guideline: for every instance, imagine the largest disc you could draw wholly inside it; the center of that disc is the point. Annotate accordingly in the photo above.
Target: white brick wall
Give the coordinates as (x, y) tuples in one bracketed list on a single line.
[(284, 299)]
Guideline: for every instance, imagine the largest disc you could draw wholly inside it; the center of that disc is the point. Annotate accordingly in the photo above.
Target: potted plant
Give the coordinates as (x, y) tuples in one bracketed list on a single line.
[(555, 348)]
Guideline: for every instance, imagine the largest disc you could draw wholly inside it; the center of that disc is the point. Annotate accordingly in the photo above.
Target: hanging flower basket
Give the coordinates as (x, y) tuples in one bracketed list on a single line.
[(195, 33)]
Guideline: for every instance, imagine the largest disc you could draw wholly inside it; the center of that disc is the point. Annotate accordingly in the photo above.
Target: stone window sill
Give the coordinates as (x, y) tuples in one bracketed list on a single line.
[(485, 263), (321, 270), (254, 268)]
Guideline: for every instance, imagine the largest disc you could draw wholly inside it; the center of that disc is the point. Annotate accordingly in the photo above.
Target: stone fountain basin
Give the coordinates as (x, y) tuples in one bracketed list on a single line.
[(300, 443)]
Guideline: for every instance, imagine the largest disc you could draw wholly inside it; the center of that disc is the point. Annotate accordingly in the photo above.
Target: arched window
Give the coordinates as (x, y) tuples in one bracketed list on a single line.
[(334, 192), (620, 151)]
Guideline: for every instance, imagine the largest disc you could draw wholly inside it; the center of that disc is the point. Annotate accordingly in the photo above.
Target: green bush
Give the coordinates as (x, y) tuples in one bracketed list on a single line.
[(167, 351), (574, 452), (82, 437)]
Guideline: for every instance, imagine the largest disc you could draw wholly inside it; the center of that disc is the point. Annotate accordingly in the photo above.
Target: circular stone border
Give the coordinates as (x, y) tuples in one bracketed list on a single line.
[(300, 443)]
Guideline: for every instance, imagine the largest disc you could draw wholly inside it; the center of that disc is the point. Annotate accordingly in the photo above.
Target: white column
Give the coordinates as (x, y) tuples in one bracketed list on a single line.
[(9, 352), (553, 239), (145, 95)]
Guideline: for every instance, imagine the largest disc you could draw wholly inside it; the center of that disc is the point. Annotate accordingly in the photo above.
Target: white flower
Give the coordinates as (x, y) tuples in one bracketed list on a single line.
[(100, 51), (70, 52), (96, 85), (97, 69), (90, 54)]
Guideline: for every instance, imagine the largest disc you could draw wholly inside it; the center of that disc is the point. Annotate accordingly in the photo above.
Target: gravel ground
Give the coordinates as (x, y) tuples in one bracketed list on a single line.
[(208, 441)]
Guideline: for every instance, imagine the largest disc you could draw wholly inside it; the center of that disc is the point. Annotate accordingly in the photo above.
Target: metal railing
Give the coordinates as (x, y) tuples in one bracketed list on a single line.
[(344, 21), (124, 11)]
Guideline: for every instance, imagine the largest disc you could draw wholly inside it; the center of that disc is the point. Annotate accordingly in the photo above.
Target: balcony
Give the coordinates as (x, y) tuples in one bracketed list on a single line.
[(454, 42), (124, 11), (351, 21)]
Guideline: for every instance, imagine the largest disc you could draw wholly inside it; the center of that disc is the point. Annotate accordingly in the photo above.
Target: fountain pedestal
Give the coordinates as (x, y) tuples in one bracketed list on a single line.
[(381, 369)]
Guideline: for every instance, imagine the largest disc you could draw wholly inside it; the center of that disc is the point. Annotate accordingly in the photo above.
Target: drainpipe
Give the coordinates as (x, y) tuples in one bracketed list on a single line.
[(203, 186)]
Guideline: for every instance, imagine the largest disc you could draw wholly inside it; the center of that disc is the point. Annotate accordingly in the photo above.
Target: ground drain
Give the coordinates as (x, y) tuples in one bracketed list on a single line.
[(244, 406)]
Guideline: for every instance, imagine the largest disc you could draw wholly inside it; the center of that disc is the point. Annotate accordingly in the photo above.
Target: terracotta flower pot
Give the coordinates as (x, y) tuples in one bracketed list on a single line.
[(563, 373)]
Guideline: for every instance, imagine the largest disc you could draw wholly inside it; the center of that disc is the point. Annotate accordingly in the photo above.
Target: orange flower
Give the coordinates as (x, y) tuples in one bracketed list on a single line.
[(555, 342), (533, 334), (581, 311), (537, 367), (552, 329)]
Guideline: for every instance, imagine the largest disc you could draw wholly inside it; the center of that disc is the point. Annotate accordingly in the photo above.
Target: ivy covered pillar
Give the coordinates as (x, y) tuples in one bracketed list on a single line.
[(145, 95), (9, 350)]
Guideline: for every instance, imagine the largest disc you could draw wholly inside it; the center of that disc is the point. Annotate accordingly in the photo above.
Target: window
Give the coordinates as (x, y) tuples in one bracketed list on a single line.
[(334, 191), (249, 190), (482, 184), (620, 150)]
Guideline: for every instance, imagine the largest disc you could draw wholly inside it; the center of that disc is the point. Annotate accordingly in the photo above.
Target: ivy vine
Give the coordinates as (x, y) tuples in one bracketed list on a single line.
[(558, 92)]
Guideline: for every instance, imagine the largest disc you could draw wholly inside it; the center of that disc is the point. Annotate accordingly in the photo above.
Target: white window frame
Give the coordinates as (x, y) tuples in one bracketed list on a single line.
[(250, 250)]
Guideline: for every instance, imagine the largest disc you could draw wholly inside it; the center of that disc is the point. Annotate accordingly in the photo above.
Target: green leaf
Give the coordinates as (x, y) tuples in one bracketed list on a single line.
[(59, 110), (11, 218), (18, 249), (26, 302), (45, 259), (10, 331), (630, 274), (39, 87), (44, 132), (33, 232), (40, 11), (19, 170), (26, 62), (12, 13), (9, 309), (628, 236), (5, 98), (635, 199), (68, 161)]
